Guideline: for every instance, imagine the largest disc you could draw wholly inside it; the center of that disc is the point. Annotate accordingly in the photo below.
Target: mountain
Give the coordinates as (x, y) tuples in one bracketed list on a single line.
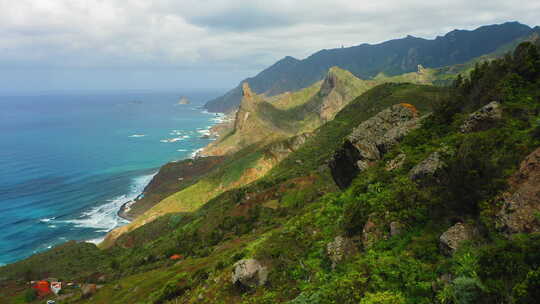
[(365, 61), (261, 119), (411, 193)]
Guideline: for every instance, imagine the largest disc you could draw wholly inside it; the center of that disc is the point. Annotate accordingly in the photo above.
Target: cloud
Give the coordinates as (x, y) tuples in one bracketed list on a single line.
[(221, 35)]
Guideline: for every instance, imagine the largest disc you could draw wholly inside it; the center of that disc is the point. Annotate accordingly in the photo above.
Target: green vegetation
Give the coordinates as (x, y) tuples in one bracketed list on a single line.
[(286, 218)]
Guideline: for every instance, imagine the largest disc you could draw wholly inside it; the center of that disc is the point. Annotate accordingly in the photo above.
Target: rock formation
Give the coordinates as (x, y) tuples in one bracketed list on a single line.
[(279, 150), (429, 170), (249, 273), (520, 212), (452, 239), (370, 140), (396, 163), (183, 101), (339, 249), (482, 119)]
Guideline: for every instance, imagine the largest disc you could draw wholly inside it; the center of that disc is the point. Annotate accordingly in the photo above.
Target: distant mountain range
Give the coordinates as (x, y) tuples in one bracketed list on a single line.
[(366, 61)]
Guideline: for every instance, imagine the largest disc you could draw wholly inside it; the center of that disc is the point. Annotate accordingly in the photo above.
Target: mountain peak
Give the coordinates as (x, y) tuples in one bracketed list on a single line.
[(246, 90)]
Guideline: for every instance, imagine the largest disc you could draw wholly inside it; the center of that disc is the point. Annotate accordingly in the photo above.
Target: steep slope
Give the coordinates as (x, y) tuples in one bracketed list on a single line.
[(366, 61), (393, 236), (261, 119)]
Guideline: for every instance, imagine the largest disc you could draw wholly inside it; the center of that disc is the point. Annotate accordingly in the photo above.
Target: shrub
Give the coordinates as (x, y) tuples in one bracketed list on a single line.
[(385, 297), (30, 295), (528, 291)]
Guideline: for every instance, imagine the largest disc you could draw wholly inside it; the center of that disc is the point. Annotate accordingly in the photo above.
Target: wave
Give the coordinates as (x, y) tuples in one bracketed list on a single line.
[(104, 218), (175, 139), (137, 135), (46, 220), (95, 241), (196, 153)]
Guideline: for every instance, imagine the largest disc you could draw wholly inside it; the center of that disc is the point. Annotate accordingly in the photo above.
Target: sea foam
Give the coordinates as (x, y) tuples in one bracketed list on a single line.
[(104, 218)]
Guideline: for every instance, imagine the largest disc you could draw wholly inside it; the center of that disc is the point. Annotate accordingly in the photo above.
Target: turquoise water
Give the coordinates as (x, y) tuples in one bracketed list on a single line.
[(68, 162)]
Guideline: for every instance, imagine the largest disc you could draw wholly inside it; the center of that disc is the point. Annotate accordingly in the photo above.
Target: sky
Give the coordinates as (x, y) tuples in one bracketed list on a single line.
[(65, 45)]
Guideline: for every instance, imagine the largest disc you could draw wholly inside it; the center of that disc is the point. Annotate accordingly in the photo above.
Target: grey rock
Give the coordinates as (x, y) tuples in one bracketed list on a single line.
[(279, 150), (452, 239), (249, 273), (482, 119), (428, 170), (396, 163), (396, 228), (339, 249), (368, 142), (521, 204)]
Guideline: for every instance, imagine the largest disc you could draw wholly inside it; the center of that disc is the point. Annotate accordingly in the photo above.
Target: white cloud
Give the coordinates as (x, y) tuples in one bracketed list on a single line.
[(222, 34)]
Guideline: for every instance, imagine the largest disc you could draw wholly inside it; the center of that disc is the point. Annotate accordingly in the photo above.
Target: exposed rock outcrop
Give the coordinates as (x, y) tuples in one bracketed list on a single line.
[(396, 163), (453, 238), (482, 119), (429, 170), (339, 249), (396, 228), (370, 140), (279, 150), (249, 273), (245, 109), (520, 212)]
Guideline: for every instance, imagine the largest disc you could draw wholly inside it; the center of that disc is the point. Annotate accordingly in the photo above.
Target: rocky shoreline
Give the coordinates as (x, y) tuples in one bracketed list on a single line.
[(171, 178)]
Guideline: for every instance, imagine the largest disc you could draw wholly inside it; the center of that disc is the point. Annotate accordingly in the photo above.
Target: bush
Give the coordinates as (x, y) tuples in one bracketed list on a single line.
[(30, 295), (466, 290), (385, 297), (170, 291), (528, 291)]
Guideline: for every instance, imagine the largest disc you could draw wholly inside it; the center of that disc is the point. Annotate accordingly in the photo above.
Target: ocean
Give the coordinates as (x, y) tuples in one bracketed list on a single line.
[(69, 161)]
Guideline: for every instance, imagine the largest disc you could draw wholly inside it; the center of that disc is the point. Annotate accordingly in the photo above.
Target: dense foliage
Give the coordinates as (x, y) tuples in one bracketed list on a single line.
[(286, 219)]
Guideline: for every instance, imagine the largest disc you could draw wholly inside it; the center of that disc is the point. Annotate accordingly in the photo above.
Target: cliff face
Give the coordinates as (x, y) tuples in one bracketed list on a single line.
[(339, 87), (370, 140)]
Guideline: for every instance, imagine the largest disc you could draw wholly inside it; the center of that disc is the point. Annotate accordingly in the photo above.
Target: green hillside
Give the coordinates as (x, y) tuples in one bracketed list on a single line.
[(447, 214)]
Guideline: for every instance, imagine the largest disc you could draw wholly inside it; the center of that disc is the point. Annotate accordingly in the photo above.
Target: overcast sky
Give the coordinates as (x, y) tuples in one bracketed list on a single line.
[(141, 44)]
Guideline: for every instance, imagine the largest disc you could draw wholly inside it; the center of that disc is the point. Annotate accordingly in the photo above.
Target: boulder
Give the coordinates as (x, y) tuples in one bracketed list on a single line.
[(396, 162), (521, 204), (88, 290), (370, 140), (482, 119), (396, 228), (249, 273), (452, 238), (339, 249), (281, 149), (428, 170)]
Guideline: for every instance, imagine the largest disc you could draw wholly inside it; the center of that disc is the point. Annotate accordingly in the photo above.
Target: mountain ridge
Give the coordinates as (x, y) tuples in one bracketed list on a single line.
[(392, 57)]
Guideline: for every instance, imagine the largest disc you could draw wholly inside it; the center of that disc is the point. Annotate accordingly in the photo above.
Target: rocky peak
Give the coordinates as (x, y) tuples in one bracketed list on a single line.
[(246, 90), (330, 81)]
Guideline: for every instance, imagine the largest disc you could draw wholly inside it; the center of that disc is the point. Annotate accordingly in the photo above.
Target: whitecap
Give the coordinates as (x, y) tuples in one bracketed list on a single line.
[(182, 150), (104, 218), (46, 220), (137, 135), (196, 153), (95, 241)]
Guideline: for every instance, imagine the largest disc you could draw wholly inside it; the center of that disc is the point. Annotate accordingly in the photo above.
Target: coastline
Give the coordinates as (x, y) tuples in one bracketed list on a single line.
[(183, 177)]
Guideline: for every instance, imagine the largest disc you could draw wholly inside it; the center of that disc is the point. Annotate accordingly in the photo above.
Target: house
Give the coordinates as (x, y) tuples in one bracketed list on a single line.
[(42, 288)]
